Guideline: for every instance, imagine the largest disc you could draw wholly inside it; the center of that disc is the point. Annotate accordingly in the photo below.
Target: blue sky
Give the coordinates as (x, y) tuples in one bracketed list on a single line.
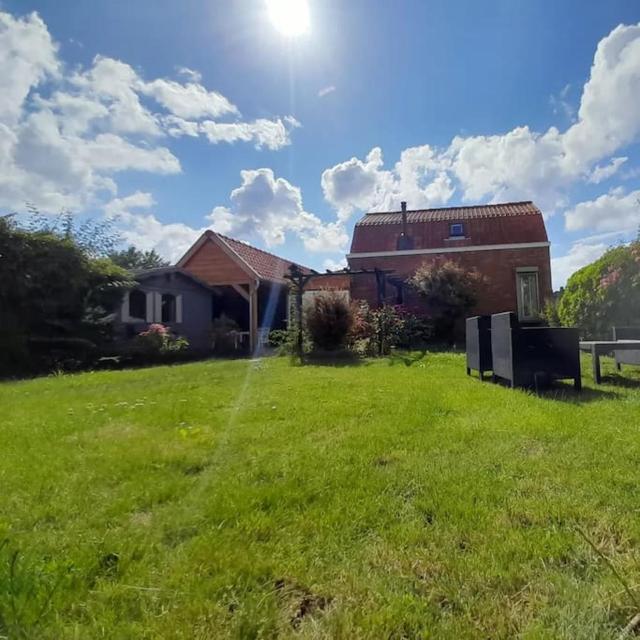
[(174, 117)]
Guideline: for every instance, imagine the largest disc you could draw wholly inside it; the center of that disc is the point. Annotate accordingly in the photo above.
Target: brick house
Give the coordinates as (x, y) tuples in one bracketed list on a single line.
[(506, 243)]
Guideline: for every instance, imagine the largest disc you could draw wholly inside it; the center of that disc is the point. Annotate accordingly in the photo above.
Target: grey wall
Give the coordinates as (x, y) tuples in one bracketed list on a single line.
[(196, 308)]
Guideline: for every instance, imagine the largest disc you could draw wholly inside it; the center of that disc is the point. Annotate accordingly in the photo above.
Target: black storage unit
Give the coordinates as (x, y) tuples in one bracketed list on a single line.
[(533, 356), (626, 357), (478, 339)]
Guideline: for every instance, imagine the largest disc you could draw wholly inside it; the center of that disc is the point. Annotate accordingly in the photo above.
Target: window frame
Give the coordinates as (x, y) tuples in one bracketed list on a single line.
[(522, 272), (459, 225)]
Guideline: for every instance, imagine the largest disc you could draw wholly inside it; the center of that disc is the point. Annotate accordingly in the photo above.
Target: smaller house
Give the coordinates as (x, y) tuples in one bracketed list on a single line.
[(173, 297), (217, 276)]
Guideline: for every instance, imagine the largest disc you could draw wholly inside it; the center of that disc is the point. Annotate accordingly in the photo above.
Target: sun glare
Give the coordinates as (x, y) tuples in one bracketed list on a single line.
[(290, 17)]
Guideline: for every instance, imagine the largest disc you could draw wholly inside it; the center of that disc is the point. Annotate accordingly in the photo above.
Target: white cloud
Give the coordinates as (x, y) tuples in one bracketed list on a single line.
[(273, 134), (114, 84), (334, 265), (519, 164), (560, 103), (111, 153), (325, 91), (65, 134), (581, 254), (615, 211), (189, 100), (605, 171), (419, 177), (271, 209), (143, 230), (27, 56)]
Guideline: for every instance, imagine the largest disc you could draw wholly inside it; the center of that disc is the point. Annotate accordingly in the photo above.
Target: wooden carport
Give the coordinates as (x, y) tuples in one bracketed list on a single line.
[(224, 262)]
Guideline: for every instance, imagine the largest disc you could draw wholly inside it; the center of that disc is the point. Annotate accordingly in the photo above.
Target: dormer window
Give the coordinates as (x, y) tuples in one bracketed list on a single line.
[(456, 230)]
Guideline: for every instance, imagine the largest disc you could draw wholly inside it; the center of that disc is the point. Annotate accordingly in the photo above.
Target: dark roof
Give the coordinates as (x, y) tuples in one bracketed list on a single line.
[(142, 274), (267, 265), (506, 223)]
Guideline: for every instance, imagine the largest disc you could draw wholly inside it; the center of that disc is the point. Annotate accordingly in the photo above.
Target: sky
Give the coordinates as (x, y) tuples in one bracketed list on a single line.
[(281, 125)]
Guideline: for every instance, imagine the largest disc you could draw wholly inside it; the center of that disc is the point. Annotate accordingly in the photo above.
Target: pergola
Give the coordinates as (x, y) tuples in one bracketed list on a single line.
[(299, 280)]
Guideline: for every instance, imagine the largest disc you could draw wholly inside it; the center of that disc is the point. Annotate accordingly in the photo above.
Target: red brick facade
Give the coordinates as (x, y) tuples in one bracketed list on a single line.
[(517, 231)]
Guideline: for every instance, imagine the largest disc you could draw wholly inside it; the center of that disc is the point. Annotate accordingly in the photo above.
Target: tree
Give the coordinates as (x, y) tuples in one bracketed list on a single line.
[(449, 292), (53, 291), (133, 259), (604, 293), (94, 237)]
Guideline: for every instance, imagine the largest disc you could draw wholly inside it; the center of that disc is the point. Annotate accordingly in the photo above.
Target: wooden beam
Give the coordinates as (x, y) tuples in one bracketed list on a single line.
[(253, 316), (242, 291)]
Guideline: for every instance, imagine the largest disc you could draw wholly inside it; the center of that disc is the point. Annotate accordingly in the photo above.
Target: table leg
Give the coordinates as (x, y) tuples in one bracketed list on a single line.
[(595, 356)]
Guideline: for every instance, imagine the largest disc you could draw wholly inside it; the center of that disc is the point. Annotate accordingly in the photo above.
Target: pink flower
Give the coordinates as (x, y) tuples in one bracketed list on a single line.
[(610, 279), (155, 329)]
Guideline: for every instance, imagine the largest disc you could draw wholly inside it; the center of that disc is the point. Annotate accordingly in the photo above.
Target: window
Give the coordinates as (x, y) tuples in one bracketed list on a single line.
[(168, 307), (456, 230), (138, 304), (527, 292)]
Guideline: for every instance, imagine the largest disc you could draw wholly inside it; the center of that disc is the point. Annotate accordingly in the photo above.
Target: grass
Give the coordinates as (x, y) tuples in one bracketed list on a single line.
[(396, 499)]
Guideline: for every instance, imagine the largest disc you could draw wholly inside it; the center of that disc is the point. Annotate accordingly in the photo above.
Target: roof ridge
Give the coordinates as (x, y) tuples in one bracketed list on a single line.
[(465, 206), (247, 244)]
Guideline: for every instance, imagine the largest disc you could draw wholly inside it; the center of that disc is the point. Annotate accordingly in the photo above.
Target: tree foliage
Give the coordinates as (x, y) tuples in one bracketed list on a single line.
[(449, 292), (133, 259), (605, 293), (53, 291), (97, 238)]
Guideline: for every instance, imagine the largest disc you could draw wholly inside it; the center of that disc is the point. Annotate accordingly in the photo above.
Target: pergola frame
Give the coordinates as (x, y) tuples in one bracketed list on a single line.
[(299, 279)]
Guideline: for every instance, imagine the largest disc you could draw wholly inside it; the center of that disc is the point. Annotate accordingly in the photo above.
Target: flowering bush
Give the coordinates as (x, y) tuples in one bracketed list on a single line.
[(158, 340), (605, 293), (376, 331), (449, 293)]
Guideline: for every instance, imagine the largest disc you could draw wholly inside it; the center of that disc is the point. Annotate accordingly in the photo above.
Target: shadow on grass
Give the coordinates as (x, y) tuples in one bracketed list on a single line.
[(621, 380), (407, 359), (343, 358), (561, 391)]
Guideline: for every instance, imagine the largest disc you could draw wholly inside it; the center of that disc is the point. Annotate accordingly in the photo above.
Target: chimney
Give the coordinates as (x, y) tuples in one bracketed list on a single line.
[(403, 206), (404, 240)]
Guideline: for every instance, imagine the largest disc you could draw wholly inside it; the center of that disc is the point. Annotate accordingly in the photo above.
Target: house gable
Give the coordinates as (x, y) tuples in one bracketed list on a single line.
[(214, 263)]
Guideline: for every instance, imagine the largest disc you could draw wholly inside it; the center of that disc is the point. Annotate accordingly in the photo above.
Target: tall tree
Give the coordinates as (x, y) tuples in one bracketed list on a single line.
[(133, 259), (53, 292)]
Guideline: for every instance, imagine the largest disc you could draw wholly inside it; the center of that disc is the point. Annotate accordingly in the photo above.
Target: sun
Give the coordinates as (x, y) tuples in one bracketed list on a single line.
[(290, 17)]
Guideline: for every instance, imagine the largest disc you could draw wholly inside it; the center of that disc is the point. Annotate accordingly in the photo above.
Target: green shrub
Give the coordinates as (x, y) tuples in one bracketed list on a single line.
[(449, 292), (329, 321), (604, 293)]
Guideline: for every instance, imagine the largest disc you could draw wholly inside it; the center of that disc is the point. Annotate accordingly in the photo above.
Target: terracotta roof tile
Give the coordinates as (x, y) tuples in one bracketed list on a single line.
[(511, 222), (267, 265)]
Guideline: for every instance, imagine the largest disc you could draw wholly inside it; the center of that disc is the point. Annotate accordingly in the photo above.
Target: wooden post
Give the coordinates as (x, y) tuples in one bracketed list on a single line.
[(253, 316)]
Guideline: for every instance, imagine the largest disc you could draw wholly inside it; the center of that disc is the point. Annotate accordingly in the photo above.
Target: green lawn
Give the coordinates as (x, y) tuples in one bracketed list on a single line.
[(395, 499)]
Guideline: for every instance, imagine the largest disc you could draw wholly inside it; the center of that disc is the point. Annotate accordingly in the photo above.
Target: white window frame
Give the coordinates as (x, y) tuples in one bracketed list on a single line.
[(155, 307), (521, 271), (126, 315)]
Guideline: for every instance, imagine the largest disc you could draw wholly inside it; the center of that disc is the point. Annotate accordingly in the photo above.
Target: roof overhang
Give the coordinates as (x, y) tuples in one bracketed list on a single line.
[(467, 248)]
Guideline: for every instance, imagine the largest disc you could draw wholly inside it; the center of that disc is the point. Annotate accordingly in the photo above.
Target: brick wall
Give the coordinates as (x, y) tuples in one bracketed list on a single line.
[(497, 292)]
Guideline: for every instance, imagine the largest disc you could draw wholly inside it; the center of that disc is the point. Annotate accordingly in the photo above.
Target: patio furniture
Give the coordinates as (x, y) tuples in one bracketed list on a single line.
[(532, 356), (623, 356), (478, 339), (598, 348)]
